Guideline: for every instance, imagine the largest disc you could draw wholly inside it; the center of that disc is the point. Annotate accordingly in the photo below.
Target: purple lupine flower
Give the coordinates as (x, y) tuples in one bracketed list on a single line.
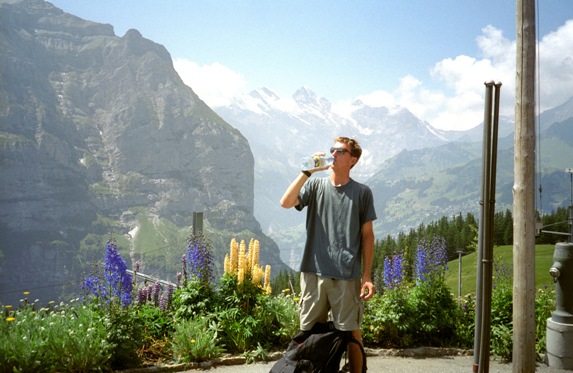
[(162, 303), (397, 270), (115, 273), (156, 293), (393, 271), (199, 259), (421, 264), (388, 273), (92, 285), (149, 292), (170, 290), (439, 254), (431, 259), (141, 296), (178, 279)]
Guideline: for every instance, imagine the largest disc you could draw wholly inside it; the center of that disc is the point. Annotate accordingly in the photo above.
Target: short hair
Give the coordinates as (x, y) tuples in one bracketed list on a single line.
[(353, 145)]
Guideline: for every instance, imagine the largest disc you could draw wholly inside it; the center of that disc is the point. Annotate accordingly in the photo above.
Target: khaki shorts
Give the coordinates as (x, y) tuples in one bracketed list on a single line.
[(323, 299)]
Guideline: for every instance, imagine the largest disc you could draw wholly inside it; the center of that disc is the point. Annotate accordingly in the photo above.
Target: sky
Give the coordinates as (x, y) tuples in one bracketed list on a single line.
[(432, 58)]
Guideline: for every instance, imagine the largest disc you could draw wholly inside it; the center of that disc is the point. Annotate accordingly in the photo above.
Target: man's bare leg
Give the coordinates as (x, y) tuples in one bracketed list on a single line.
[(355, 354)]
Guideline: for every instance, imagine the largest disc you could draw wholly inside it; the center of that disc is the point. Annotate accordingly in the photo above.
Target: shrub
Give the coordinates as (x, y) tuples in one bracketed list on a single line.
[(388, 319), (58, 338), (197, 298), (282, 312), (196, 340), (124, 332), (544, 307), (501, 321), (156, 331), (435, 313), (465, 325)]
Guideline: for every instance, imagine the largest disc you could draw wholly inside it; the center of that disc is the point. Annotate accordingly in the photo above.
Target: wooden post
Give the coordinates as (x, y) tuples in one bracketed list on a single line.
[(524, 192), (197, 223)]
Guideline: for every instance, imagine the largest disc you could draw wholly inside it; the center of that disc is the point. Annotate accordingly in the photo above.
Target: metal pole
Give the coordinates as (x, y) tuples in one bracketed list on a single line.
[(482, 225), (524, 192), (488, 246), (460, 252)]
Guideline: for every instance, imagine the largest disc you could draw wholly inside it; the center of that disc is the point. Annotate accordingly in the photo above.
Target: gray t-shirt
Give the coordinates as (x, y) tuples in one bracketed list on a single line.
[(334, 220)]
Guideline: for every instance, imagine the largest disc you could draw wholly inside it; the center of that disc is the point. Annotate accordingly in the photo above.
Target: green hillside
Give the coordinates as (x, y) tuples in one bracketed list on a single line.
[(502, 255)]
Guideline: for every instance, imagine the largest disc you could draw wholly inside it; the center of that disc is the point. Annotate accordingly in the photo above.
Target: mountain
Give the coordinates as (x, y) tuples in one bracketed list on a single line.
[(421, 186), (282, 131), (99, 136), (417, 173)]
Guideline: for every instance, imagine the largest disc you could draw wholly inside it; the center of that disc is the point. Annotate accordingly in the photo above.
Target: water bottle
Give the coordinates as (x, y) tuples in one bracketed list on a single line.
[(315, 161)]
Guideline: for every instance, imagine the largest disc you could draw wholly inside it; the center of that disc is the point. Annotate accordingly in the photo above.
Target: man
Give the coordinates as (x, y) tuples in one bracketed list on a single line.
[(339, 244)]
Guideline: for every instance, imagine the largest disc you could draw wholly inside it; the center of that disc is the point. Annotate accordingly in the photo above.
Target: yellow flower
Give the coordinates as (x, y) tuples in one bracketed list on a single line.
[(10, 319), (257, 275), (257, 250), (267, 281), (240, 276), (26, 293), (192, 341), (8, 306), (242, 260), (249, 261), (227, 264), (234, 258)]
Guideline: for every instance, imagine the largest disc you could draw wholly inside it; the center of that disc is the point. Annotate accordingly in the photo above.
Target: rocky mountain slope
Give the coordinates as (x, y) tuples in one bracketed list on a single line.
[(99, 136)]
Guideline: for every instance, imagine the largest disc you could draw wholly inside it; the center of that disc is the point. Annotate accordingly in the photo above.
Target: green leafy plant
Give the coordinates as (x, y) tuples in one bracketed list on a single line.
[(200, 321), (544, 307), (57, 338), (465, 324), (435, 309), (388, 319), (196, 340), (197, 298)]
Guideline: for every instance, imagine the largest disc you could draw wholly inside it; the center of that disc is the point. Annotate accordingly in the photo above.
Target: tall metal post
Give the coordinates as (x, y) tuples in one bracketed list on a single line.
[(482, 224), (485, 262), (524, 192), (460, 252), (485, 237)]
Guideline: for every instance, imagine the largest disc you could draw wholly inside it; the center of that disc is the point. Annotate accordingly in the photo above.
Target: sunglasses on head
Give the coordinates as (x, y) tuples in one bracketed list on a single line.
[(338, 150)]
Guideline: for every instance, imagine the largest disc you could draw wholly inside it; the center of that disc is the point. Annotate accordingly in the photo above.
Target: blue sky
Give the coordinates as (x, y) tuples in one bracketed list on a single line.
[(430, 57)]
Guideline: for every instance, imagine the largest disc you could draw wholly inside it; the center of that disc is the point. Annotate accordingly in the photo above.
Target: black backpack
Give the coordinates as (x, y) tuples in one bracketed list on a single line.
[(319, 350)]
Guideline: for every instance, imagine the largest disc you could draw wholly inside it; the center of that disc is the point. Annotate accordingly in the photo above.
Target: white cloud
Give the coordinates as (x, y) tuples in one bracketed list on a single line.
[(453, 99), (463, 108), (456, 101), (215, 84), (464, 77), (556, 66)]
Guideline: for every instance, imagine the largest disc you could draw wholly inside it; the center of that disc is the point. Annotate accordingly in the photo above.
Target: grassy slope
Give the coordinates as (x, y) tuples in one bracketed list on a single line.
[(502, 254)]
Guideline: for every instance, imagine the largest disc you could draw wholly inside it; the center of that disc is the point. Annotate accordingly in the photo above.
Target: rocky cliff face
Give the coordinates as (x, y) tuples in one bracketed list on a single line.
[(99, 135)]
